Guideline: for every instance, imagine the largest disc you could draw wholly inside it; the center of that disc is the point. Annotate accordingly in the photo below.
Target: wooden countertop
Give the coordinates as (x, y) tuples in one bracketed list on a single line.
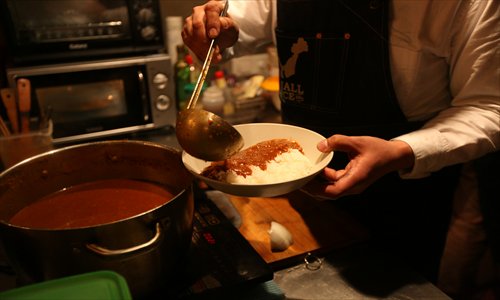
[(316, 226)]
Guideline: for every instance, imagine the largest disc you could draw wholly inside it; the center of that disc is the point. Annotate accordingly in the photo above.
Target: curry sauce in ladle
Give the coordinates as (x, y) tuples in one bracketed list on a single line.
[(201, 133)]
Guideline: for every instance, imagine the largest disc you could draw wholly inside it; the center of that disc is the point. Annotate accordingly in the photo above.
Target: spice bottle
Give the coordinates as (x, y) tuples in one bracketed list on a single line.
[(194, 72)]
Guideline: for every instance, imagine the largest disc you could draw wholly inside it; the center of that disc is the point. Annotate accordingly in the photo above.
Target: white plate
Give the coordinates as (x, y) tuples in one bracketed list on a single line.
[(254, 133)]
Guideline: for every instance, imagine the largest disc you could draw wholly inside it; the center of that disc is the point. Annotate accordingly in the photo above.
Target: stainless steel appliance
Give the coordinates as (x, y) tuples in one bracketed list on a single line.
[(43, 30), (100, 98), (180, 250)]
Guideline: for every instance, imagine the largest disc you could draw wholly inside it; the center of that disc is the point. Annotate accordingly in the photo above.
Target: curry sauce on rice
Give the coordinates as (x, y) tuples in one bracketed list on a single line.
[(266, 162)]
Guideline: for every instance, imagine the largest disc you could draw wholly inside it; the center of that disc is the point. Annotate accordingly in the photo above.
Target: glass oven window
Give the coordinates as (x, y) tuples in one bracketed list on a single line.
[(84, 101), (91, 101)]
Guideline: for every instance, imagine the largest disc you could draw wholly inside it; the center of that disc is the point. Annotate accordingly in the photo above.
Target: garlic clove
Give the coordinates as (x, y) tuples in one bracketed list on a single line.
[(281, 238)]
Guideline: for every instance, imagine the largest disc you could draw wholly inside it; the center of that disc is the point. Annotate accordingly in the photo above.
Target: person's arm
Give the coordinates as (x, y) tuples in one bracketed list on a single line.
[(470, 127), (247, 29), (205, 24)]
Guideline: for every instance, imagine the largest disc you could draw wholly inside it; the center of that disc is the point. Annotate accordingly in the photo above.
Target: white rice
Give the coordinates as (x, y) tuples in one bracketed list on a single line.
[(285, 167)]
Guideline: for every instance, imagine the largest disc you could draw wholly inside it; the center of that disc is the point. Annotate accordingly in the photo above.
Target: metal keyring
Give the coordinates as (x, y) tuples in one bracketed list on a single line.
[(313, 262)]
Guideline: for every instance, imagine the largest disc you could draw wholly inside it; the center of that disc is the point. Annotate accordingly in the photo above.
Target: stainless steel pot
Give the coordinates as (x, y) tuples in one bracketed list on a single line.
[(145, 248)]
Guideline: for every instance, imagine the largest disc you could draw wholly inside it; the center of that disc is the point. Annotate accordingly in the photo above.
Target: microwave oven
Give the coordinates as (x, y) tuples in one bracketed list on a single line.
[(39, 31), (100, 98)]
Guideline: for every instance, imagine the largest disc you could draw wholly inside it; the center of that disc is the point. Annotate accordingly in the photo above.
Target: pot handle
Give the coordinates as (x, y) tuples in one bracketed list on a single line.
[(108, 252)]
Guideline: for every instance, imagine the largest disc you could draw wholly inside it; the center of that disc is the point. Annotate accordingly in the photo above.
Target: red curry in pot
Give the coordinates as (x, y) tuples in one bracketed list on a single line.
[(92, 203)]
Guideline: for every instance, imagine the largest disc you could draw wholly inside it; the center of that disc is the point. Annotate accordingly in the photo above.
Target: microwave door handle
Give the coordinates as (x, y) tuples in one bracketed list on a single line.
[(144, 96)]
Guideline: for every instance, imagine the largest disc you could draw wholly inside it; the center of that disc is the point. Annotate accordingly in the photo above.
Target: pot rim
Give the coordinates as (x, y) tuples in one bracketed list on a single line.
[(87, 144), (179, 194)]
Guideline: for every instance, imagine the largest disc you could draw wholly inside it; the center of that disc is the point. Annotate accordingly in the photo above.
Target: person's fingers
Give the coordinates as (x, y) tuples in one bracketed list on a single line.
[(198, 19), (226, 22), (343, 186), (212, 11), (336, 142), (217, 55), (230, 29), (317, 187), (187, 29), (324, 146), (333, 175)]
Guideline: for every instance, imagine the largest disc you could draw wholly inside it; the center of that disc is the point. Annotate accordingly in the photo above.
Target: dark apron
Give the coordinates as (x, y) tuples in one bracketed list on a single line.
[(488, 182), (335, 79)]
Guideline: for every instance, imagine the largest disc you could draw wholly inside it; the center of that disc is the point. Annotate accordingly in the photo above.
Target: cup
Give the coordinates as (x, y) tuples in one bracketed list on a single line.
[(17, 147)]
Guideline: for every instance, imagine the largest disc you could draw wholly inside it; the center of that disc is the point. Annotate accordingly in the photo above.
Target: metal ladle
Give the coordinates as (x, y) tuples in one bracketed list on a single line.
[(201, 133)]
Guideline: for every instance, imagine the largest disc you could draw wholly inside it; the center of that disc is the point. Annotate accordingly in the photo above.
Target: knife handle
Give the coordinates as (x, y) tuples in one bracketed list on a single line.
[(24, 94), (9, 101)]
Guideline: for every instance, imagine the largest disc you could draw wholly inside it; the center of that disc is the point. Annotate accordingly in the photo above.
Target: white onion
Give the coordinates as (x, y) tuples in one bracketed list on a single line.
[(281, 238)]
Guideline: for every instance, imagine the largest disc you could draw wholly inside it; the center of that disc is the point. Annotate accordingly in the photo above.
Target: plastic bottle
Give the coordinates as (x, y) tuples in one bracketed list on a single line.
[(193, 70), (213, 100), (220, 81)]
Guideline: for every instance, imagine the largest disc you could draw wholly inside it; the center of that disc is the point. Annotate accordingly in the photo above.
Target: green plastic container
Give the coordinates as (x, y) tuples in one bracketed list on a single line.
[(102, 285)]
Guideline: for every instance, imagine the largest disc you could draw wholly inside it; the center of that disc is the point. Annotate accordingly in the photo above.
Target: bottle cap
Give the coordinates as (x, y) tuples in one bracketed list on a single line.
[(189, 59), (219, 74)]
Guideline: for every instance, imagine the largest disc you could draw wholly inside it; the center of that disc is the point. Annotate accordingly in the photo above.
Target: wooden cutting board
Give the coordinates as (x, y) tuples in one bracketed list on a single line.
[(316, 226)]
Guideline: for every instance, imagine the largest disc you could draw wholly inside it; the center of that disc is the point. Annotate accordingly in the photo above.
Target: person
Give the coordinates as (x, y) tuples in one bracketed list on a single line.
[(404, 91)]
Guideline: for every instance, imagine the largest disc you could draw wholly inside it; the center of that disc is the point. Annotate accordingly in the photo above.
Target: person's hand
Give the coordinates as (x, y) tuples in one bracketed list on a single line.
[(370, 159), (205, 24)]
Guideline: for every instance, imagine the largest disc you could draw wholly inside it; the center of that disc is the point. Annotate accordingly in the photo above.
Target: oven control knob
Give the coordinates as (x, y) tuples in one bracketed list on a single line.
[(163, 102), (160, 80), (145, 15), (148, 33)]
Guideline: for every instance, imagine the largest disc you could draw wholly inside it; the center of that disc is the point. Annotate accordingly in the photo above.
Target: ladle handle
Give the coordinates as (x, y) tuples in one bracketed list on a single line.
[(206, 65)]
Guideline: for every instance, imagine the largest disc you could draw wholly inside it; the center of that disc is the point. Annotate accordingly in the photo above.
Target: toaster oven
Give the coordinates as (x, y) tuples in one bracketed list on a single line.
[(100, 98)]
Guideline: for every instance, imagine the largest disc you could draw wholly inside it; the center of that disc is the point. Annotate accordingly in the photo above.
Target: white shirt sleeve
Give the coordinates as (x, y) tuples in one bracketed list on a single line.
[(469, 126), (256, 23)]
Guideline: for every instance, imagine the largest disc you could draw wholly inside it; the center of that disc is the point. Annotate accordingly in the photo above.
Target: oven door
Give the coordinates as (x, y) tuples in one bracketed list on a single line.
[(92, 103)]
